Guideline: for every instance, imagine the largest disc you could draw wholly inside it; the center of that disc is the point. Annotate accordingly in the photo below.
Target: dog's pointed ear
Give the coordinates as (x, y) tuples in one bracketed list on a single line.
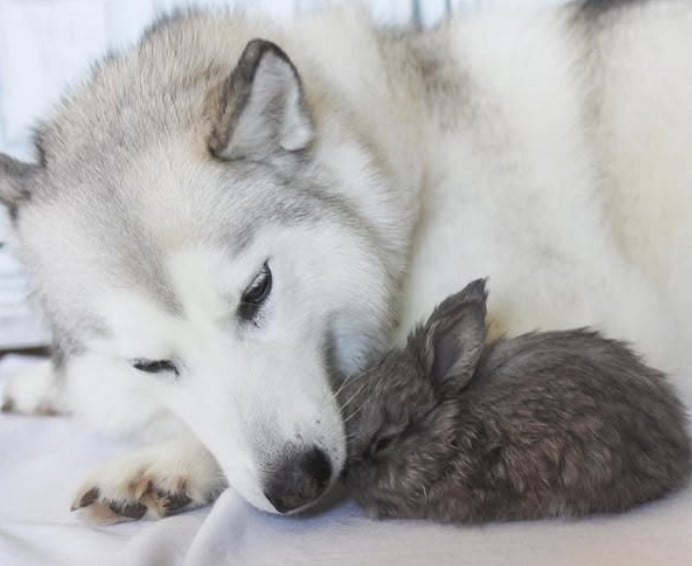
[(452, 341), (260, 109), (16, 179)]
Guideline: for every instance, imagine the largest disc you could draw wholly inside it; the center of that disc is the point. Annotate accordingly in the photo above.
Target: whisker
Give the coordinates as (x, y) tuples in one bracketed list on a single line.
[(347, 381), (341, 387), (353, 414), (353, 396), (334, 393)]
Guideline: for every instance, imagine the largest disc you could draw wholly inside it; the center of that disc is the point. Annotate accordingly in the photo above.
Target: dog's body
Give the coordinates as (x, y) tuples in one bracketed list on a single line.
[(370, 175)]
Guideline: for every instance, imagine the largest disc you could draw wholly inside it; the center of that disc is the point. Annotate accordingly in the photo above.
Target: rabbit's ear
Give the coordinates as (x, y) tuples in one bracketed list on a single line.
[(454, 336)]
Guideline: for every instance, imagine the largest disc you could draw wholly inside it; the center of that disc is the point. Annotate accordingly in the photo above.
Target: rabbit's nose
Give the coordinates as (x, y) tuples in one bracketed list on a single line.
[(299, 478)]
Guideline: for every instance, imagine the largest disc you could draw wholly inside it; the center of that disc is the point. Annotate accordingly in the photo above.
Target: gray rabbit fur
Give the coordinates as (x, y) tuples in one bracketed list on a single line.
[(546, 424)]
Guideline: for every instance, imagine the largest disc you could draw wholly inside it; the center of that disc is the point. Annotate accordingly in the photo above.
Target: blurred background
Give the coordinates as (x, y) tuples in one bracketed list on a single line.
[(48, 45)]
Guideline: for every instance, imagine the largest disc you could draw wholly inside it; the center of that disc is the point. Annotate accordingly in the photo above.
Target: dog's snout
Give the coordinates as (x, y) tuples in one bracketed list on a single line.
[(300, 477)]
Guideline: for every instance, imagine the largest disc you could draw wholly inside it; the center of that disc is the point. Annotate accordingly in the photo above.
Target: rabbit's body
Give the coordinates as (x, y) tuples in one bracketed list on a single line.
[(562, 423), (557, 423)]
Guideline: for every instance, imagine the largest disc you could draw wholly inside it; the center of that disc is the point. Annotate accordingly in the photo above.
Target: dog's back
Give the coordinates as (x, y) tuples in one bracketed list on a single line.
[(560, 170)]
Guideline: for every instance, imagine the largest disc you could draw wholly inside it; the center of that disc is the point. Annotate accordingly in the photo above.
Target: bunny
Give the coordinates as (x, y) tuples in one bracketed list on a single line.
[(547, 424)]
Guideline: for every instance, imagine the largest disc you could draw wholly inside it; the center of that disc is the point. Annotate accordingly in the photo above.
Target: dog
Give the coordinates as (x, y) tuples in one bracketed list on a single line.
[(227, 220)]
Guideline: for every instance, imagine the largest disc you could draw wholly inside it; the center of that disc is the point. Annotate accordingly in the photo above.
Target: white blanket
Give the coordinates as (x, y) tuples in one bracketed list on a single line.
[(43, 460)]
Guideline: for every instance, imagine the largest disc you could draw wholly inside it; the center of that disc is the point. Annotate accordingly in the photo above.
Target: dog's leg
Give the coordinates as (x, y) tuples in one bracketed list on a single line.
[(155, 482), (34, 390)]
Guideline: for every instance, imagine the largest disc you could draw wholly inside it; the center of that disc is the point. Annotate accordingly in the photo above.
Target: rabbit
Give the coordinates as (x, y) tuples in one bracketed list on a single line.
[(563, 423)]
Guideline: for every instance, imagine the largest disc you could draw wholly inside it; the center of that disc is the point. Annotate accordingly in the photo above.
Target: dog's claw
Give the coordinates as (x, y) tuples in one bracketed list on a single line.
[(173, 502), (87, 499), (7, 406), (134, 510)]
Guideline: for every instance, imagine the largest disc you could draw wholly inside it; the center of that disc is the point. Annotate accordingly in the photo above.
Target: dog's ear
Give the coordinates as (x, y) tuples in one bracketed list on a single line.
[(260, 109), (452, 341), (15, 182)]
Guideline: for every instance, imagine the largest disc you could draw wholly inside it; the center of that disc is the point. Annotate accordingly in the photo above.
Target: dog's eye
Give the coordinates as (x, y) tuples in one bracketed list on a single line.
[(156, 366), (256, 293)]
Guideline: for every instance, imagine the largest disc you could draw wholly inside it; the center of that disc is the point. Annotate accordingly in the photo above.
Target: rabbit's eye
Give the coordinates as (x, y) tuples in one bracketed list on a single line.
[(383, 440), (382, 443)]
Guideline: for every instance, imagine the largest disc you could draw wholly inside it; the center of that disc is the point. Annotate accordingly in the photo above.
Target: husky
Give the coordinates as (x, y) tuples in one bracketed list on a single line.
[(228, 220)]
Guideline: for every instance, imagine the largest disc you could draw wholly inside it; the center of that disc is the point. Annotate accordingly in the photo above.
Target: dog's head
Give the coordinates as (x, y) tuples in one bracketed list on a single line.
[(194, 251)]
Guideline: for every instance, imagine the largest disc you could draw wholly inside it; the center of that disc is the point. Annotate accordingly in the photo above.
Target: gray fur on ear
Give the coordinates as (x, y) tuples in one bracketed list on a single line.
[(15, 180), (261, 108), (454, 336)]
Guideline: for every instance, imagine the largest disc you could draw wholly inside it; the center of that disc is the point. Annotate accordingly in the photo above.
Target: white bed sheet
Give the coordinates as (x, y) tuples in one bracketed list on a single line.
[(43, 460)]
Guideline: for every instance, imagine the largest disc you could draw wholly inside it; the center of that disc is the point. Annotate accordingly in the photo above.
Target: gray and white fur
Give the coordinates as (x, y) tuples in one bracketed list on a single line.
[(350, 176), (548, 424)]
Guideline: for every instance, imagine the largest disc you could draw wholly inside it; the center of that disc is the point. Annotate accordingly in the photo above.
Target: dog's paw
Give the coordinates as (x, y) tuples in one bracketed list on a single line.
[(32, 391), (145, 495), (159, 481)]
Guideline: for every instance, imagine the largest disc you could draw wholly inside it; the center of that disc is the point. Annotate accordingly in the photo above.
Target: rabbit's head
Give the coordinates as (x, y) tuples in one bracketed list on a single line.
[(400, 413)]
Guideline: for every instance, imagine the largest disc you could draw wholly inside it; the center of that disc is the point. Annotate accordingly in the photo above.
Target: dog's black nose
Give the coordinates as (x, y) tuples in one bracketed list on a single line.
[(299, 478)]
